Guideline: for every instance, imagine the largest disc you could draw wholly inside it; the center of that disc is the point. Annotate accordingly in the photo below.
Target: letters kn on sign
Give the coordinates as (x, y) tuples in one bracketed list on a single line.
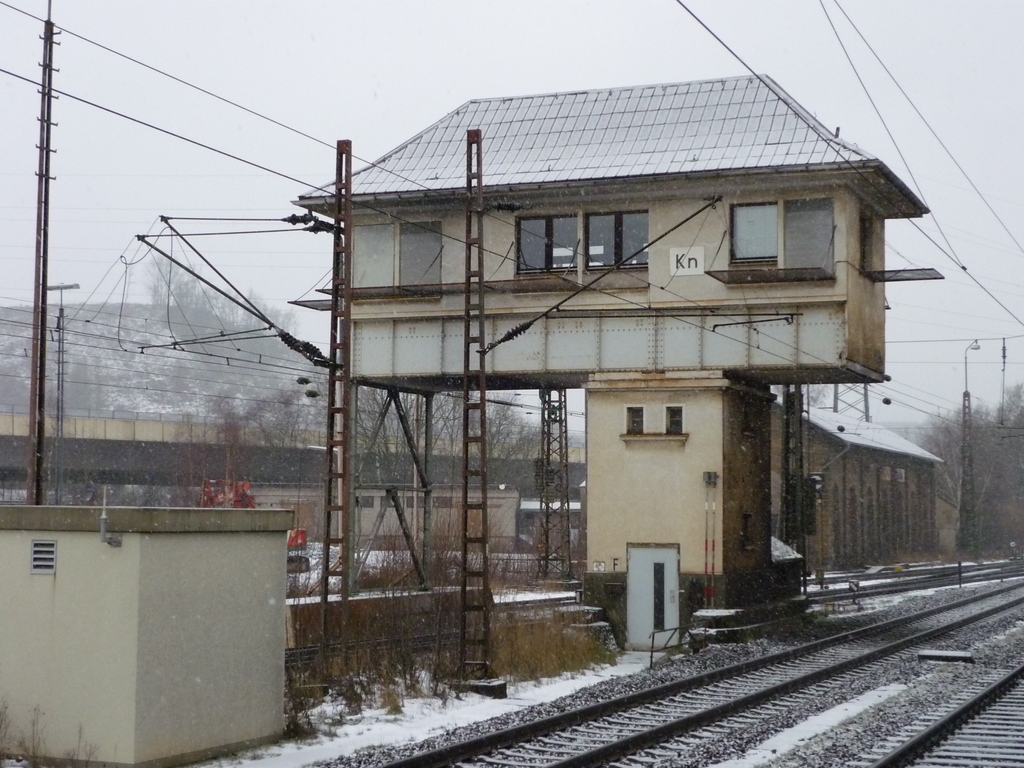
[(686, 261)]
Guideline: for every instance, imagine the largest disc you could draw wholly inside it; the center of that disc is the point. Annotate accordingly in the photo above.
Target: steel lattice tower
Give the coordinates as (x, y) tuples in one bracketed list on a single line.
[(552, 481)]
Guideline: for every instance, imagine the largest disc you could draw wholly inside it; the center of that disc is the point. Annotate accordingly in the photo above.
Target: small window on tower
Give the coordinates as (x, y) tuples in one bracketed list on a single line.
[(674, 420), (747, 531), (634, 420)]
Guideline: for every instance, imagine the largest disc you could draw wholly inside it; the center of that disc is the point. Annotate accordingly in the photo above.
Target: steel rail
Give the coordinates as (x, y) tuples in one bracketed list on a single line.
[(919, 571), (942, 733), (480, 745), (662, 733), (893, 571)]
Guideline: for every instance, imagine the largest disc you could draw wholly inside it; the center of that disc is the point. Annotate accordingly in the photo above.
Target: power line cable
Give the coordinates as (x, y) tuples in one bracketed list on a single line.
[(931, 130), (885, 125), (952, 253), (158, 129), (86, 362), (229, 155), (831, 141), (248, 110), (150, 332), (253, 367), (161, 72), (254, 362), (159, 390)]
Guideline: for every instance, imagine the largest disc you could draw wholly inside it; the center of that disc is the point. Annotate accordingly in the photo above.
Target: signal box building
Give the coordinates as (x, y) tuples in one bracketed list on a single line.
[(739, 243)]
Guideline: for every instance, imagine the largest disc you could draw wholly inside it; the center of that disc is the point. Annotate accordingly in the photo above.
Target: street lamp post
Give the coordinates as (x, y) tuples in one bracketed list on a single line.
[(968, 533), (58, 443)]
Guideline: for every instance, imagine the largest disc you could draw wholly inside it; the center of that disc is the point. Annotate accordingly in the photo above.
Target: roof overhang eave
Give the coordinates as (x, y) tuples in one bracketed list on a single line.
[(873, 180), (913, 206)]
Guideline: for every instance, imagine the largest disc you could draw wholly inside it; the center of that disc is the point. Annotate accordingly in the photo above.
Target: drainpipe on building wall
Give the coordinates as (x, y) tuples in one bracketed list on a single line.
[(113, 539), (710, 508)]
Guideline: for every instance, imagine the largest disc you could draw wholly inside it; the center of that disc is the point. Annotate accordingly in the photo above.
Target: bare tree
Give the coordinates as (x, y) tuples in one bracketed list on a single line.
[(998, 450)]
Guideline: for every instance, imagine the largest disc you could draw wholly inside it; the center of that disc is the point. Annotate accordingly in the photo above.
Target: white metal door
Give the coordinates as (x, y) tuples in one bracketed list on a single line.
[(652, 579)]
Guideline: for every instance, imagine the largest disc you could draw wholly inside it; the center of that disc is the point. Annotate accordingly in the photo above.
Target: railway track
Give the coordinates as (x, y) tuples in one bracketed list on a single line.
[(907, 581), (986, 729), (654, 725), (909, 572)]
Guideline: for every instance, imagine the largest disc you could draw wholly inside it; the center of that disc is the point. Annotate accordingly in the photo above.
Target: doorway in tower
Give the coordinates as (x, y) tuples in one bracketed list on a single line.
[(652, 608)]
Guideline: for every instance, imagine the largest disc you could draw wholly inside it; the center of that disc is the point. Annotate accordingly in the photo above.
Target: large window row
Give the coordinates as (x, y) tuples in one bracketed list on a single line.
[(793, 234), (790, 234), (552, 243)]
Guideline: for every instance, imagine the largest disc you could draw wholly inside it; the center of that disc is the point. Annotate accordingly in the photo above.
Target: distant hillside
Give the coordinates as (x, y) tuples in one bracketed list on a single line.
[(154, 357)]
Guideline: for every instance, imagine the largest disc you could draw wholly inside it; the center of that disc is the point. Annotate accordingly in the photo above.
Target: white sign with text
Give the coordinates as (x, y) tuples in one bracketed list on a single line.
[(686, 261)]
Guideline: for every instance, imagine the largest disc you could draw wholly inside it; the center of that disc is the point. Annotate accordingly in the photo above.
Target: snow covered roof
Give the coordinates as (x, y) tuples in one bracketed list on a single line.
[(865, 433), (783, 553), (711, 125)]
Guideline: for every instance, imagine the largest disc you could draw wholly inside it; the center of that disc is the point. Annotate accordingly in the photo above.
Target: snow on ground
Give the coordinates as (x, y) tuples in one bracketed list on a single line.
[(420, 719)]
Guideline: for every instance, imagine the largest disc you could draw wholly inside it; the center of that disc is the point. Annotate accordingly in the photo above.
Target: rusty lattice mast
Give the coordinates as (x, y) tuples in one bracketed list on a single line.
[(475, 630), (340, 406), (554, 558)]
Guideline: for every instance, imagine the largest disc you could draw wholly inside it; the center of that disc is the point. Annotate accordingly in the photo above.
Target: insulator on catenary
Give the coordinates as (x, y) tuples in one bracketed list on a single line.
[(307, 349), (295, 218), (319, 225), (512, 333)]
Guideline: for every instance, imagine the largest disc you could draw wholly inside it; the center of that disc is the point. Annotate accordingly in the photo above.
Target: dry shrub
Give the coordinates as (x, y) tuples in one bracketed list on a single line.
[(391, 700), (81, 755), (32, 741), (547, 647), (402, 643), (303, 693), (408, 645)]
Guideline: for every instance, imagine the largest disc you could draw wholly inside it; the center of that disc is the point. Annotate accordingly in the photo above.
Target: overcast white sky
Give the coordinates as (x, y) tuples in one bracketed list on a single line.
[(378, 72)]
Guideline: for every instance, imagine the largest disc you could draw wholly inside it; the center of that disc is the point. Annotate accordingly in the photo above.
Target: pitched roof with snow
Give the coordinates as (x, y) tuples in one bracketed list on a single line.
[(729, 124), (866, 434)]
